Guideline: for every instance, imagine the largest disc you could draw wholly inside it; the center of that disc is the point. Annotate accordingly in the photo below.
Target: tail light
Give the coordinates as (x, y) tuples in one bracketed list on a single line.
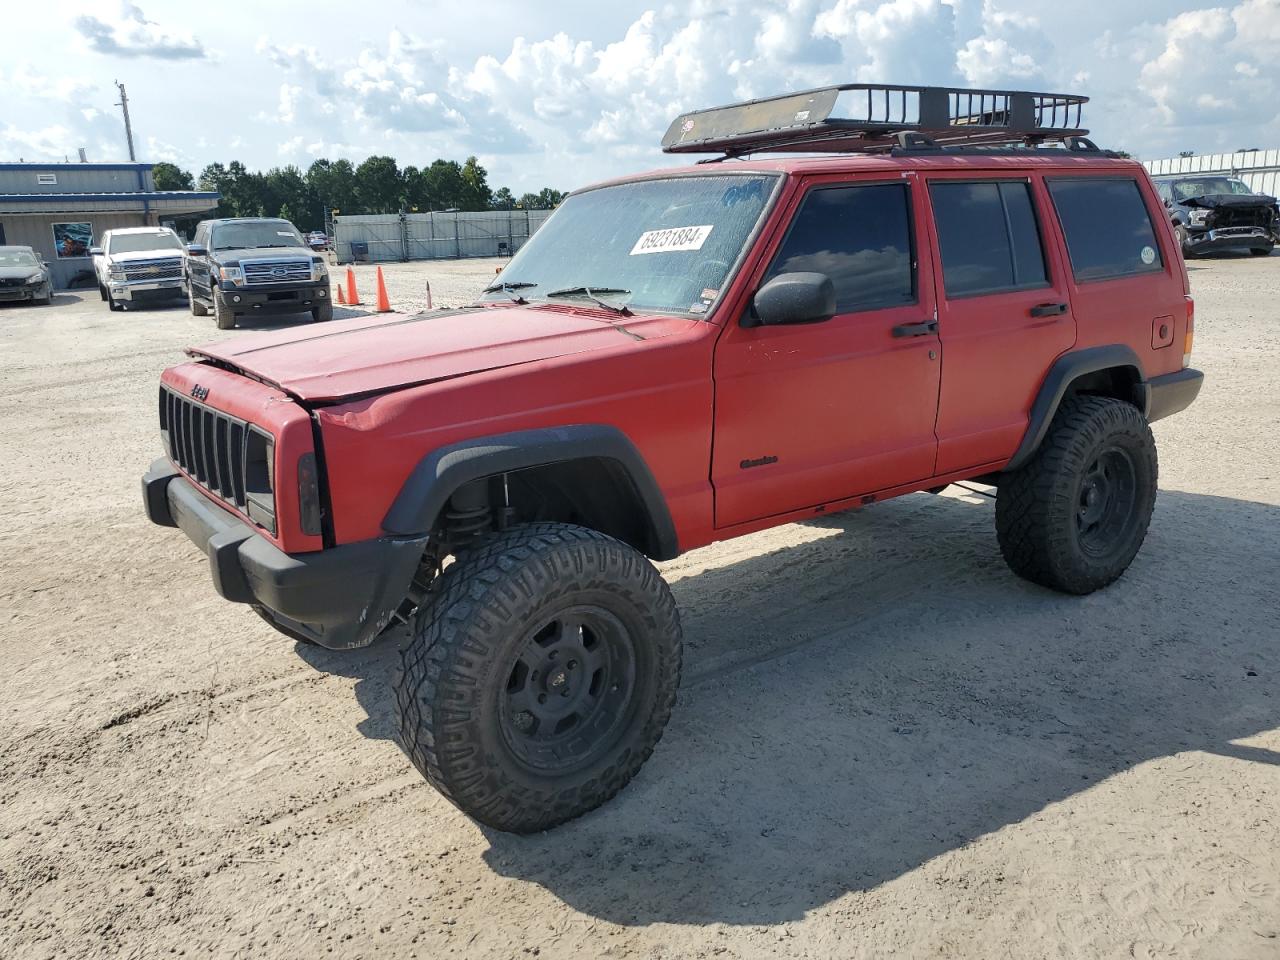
[(1191, 331), (309, 495)]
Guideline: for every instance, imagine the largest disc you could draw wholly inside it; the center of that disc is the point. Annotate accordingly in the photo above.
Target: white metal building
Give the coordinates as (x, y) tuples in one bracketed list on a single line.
[(62, 209), (1260, 169)]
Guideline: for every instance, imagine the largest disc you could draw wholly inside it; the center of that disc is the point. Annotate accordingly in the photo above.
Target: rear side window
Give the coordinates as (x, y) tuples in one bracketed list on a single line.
[(987, 237), (860, 237), (1108, 229)]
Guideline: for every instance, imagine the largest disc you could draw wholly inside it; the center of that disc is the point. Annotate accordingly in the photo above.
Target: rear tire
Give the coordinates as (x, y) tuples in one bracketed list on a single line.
[(222, 315), (1074, 517), (322, 312), (1262, 251), (541, 677)]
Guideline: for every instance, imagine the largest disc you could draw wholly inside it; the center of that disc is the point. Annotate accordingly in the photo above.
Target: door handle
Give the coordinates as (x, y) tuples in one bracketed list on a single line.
[(1048, 309), (916, 329)]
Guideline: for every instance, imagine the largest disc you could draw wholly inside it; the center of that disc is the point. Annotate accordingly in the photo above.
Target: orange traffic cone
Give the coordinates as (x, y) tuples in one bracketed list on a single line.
[(341, 299), (353, 298), (384, 305)]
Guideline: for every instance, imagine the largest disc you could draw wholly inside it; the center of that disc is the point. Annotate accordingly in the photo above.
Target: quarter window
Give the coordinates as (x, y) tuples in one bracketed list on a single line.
[(860, 237), (1108, 229), (987, 237)]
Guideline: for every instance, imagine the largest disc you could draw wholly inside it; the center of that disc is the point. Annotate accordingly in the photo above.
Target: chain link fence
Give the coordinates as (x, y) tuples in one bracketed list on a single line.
[(381, 238)]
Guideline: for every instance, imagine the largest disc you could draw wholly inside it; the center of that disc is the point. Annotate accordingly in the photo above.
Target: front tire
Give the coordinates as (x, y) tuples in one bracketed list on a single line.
[(102, 292), (222, 315), (322, 312), (541, 677), (1074, 517), (1262, 251)]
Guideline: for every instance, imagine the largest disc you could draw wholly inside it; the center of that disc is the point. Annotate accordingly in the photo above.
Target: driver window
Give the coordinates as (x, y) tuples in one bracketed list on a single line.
[(860, 237)]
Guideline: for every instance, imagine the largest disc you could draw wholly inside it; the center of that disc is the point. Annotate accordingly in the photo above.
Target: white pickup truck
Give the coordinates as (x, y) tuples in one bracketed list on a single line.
[(139, 264)]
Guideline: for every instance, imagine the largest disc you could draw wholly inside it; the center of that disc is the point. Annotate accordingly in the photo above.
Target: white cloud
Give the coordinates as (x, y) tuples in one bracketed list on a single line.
[(130, 34)]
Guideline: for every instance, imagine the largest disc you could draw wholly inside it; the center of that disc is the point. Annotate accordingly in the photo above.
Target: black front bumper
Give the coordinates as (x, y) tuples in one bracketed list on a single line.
[(1173, 393), (272, 298), (340, 598)]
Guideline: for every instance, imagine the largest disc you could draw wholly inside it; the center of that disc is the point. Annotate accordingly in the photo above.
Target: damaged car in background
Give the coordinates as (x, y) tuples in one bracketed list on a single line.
[(1218, 212)]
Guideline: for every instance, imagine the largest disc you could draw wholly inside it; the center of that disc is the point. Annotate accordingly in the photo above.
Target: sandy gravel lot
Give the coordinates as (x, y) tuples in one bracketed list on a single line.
[(885, 744)]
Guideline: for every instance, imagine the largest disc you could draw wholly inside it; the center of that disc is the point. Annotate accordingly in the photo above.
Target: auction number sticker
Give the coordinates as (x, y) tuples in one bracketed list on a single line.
[(672, 240), (1148, 255)]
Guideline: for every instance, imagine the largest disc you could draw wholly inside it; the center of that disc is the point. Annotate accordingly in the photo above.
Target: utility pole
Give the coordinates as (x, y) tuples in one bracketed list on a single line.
[(128, 127)]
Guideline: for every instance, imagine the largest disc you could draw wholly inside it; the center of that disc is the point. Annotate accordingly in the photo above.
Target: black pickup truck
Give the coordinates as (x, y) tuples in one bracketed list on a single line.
[(1217, 212), (254, 265)]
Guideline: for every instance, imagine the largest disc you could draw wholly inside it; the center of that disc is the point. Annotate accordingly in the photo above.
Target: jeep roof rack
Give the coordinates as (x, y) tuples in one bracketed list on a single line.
[(881, 117)]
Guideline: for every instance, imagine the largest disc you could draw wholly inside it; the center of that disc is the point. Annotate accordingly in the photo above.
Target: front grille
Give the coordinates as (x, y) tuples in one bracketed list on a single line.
[(1258, 216), (226, 456), (13, 281), (276, 271), (168, 269)]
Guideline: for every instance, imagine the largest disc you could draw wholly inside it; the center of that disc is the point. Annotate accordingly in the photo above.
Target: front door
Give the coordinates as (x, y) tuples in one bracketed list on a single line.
[(810, 414)]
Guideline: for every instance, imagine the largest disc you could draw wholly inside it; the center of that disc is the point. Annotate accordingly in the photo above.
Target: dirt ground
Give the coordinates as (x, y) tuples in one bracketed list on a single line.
[(884, 745)]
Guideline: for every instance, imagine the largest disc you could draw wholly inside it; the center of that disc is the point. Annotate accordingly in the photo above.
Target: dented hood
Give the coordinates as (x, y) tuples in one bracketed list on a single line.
[(367, 355)]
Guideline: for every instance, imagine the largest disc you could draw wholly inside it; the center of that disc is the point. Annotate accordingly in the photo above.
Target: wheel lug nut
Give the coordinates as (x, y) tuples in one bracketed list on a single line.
[(552, 655), (564, 693), (542, 698), (573, 664)]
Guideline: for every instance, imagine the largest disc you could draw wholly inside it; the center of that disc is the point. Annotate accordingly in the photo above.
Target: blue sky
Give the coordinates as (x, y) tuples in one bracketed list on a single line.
[(569, 92)]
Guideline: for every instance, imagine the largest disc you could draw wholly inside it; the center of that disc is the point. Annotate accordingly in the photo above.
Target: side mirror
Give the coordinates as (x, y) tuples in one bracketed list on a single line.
[(95, 251), (196, 250), (793, 298)]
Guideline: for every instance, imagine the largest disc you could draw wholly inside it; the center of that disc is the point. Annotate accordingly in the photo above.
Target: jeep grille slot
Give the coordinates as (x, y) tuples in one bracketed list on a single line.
[(276, 271), (210, 447)]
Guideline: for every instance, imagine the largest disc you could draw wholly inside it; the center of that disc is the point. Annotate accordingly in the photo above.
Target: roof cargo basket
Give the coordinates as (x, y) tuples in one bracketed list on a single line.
[(867, 117)]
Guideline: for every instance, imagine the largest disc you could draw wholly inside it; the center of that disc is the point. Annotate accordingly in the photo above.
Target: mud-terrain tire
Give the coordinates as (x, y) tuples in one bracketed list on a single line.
[(1073, 518), (541, 677), (223, 316), (322, 312)]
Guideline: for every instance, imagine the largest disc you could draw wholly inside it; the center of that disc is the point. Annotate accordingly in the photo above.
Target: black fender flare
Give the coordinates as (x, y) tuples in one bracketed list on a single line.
[(1065, 370), (443, 471)]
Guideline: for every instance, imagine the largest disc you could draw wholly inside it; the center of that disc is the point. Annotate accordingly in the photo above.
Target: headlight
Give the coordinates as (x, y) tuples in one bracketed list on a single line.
[(36, 278), (117, 273), (1199, 216), (319, 271), (231, 275)]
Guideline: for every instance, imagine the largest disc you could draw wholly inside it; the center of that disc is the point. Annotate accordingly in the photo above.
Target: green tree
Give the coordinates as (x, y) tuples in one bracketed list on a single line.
[(502, 199), (168, 176), (444, 186), (549, 198), (475, 183), (379, 188), (333, 183)]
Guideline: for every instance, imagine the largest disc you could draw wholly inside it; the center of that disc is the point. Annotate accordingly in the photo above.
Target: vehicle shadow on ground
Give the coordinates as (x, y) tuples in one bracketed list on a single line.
[(883, 690), (281, 321)]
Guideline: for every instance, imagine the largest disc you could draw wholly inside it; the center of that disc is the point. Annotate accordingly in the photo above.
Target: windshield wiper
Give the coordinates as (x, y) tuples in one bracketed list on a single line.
[(508, 287), (591, 294)]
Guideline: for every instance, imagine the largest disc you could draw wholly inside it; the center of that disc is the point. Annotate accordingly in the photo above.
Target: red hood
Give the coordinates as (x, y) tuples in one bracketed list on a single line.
[(364, 355)]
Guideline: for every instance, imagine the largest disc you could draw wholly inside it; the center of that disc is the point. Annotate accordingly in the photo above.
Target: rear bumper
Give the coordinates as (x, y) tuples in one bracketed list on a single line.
[(340, 598), (1173, 393)]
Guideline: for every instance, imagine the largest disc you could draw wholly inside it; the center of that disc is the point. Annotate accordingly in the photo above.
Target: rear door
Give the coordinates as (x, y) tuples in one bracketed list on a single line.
[(813, 413), (1004, 313)]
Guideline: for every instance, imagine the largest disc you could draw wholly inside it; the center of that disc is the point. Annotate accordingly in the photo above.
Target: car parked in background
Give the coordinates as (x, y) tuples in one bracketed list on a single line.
[(1217, 212), (249, 265), (139, 265), (24, 276), (318, 240)]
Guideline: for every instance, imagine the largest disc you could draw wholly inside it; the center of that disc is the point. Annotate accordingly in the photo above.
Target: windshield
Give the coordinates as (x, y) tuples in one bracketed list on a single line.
[(1207, 187), (657, 245), (137, 242), (263, 233), (17, 258)]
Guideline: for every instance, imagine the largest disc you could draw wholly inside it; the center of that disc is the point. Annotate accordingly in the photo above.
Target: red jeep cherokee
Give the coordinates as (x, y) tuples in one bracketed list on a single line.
[(678, 358)]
